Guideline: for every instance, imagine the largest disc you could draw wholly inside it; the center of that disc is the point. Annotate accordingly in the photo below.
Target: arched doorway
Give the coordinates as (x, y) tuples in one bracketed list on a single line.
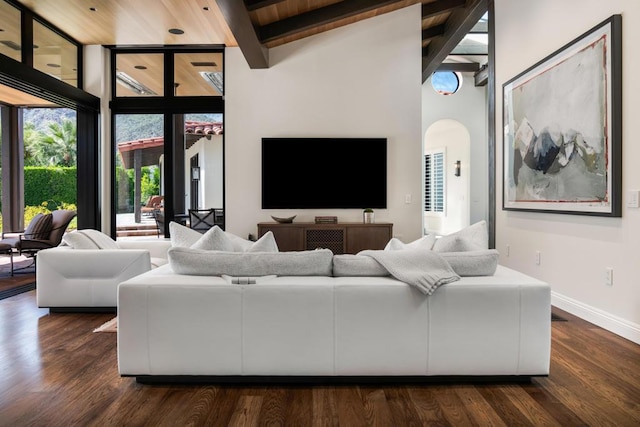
[(447, 177)]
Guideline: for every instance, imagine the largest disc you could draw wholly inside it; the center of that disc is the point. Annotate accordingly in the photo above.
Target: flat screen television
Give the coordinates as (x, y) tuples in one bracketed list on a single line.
[(324, 173)]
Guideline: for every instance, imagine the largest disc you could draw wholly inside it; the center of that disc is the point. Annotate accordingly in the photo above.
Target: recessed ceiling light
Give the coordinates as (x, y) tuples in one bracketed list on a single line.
[(11, 44), (53, 65), (140, 67), (176, 31)]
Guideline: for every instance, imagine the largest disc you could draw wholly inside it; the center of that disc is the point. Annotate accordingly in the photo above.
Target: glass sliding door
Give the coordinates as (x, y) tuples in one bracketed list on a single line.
[(139, 165), (50, 161)]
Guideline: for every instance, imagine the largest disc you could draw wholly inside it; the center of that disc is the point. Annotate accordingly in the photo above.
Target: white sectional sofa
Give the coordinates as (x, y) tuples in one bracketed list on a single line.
[(191, 327), (86, 278)]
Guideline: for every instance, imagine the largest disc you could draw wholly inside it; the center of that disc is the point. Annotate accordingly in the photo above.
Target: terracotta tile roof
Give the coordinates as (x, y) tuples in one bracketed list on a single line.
[(204, 128), (152, 148), (140, 144)]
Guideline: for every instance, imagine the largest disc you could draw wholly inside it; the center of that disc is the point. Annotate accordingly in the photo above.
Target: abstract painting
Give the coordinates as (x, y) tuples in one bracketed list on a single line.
[(562, 128)]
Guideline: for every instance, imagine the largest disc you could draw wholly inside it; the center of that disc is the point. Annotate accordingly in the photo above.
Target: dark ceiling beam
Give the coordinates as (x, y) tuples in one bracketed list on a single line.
[(321, 16), (481, 77), (439, 7), (461, 67), (259, 4), (459, 23), (237, 16), (431, 32)]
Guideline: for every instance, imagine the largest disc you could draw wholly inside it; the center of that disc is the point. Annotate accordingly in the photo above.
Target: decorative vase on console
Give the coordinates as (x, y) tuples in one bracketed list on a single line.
[(368, 217)]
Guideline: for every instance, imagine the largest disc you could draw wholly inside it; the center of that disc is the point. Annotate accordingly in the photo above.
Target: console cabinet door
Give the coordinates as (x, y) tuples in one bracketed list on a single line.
[(348, 238), (288, 238), (367, 237)]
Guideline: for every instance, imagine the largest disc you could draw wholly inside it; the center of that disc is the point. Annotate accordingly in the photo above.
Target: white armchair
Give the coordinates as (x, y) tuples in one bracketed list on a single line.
[(70, 279)]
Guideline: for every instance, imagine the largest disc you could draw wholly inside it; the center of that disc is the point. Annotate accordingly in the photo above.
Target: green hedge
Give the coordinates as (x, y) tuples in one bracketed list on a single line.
[(55, 185)]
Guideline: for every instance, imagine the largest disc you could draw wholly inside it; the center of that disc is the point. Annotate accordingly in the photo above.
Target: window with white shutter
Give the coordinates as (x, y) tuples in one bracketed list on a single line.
[(434, 173)]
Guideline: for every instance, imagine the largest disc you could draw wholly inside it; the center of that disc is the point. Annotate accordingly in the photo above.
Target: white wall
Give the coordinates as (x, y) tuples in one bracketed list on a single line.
[(469, 107), (362, 80), (210, 158), (575, 250)]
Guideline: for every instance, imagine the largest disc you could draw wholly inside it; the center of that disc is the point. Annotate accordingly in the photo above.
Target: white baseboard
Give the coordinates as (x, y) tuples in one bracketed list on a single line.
[(608, 321)]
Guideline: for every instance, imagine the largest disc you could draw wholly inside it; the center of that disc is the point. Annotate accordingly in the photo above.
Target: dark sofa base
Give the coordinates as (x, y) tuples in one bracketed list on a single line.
[(320, 380)]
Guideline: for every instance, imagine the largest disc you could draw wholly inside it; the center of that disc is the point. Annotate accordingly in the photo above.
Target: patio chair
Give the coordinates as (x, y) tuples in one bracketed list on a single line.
[(218, 217), (154, 203), (44, 231), (158, 215), (201, 219)]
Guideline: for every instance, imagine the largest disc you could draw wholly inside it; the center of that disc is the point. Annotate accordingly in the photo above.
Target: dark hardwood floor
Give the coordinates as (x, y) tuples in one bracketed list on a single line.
[(55, 372)]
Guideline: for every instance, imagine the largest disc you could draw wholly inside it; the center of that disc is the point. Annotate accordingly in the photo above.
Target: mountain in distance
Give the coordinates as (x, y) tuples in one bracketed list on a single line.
[(129, 127)]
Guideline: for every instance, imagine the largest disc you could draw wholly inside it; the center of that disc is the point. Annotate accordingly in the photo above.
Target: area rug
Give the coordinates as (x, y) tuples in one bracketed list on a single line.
[(110, 326)]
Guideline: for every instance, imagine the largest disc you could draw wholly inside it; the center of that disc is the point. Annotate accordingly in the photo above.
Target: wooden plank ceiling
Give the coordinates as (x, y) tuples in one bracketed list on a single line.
[(253, 25)]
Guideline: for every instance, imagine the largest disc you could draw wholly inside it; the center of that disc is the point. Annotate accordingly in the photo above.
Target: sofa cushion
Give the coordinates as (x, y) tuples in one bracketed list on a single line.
[(471, 263), (40, 227), (216, 263), (89, 239), (357, 265), (472, 238)]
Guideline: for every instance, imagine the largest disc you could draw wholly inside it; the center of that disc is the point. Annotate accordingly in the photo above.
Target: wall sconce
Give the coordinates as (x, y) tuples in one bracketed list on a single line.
[(195, 173), (456, 172)]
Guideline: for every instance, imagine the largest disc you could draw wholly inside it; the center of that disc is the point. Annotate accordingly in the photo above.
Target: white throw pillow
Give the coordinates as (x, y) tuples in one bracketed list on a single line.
[(267, 243), (472, 238), (214, 240), (89, 239), (181, 236), (423, 243), (239, 244)]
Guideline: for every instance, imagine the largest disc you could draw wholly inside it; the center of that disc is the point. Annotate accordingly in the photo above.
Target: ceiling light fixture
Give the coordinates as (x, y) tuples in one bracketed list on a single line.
[(132, 84), (214, 78), (176, 31)]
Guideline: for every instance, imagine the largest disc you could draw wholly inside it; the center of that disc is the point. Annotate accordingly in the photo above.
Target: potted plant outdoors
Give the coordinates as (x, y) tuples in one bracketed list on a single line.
[(368, 217)]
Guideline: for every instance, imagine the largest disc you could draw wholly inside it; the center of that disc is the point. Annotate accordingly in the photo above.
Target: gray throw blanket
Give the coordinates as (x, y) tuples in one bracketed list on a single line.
[(424, 270)]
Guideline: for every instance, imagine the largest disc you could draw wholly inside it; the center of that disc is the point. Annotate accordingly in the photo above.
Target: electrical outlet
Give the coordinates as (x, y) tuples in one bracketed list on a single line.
[(407, 198), (537, 257), (508, 249), (608, 276)]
